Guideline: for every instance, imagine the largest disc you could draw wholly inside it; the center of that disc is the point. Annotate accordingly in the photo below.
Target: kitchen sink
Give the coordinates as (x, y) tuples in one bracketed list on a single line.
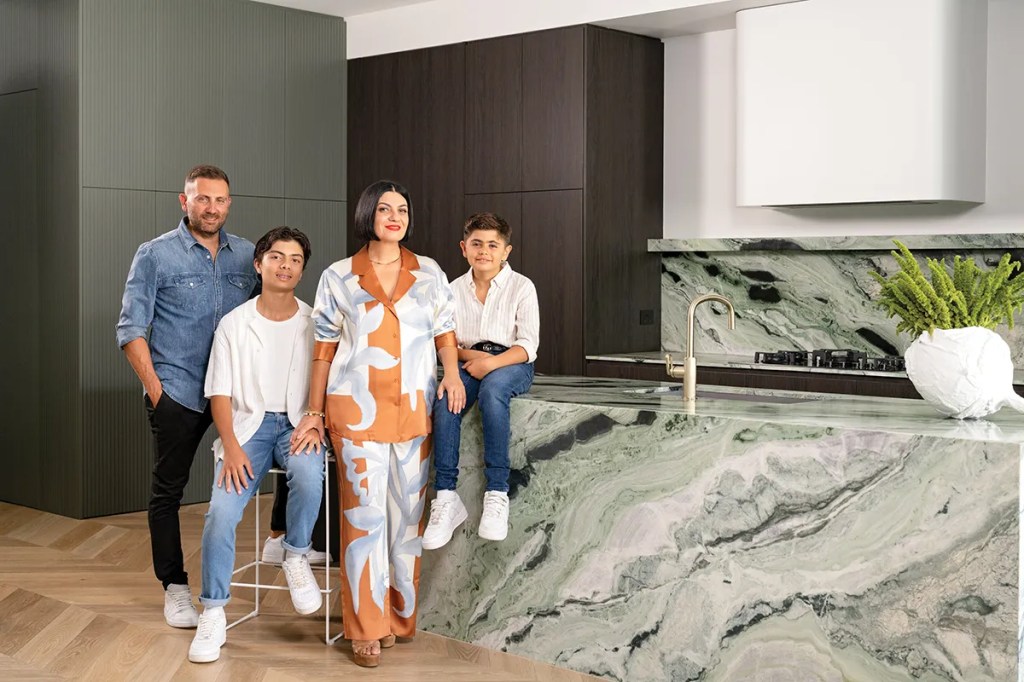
[(677, 390)]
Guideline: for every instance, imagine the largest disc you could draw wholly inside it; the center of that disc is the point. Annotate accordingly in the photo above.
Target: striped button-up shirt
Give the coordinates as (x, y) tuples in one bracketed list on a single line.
[(510, 314)]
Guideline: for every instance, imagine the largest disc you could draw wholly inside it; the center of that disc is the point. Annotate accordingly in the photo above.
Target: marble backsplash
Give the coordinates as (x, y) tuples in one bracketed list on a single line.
[(802, 294)]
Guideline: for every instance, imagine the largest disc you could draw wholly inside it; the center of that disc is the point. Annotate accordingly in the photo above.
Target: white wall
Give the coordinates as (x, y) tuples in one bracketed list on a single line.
[(700, 168), (443, 22)]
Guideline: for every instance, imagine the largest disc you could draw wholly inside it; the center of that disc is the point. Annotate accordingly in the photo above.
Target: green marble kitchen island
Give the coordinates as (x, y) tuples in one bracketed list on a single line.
[(784, 537)]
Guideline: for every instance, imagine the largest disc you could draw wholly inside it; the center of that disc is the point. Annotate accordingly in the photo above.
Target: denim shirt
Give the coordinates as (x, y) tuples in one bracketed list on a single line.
[(177, 294)]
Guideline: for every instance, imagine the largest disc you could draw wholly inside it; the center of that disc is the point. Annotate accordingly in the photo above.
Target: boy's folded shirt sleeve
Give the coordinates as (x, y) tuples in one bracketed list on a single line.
[(528, 322)]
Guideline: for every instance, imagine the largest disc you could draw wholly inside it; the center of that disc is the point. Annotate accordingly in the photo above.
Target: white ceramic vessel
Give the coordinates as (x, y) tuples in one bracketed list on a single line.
[(964, 373)]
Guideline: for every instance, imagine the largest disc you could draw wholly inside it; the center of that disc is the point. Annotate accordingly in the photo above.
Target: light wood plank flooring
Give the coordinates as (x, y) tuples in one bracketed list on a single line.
[(78, 600)]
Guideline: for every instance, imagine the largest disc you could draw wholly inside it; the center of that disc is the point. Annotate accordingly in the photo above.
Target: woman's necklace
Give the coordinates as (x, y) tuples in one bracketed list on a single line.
[(389, 262)]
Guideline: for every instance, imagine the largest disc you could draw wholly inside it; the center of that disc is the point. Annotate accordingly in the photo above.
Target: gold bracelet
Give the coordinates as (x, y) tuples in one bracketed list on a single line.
[(314, 413)]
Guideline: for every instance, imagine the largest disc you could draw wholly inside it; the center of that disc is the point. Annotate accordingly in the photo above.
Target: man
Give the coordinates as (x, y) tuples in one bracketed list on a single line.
[(179, 287)]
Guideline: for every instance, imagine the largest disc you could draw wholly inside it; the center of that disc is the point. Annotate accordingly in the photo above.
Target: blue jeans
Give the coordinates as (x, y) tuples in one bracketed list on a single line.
[(495, 392), (305, 477)]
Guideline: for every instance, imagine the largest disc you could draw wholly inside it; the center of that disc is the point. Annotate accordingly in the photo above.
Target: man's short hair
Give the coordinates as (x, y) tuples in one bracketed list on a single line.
[(487, 221), (205, 170), (366, 208), (283, 234)]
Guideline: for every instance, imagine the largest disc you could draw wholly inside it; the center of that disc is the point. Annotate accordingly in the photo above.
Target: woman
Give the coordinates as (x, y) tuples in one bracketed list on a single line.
[(381, 319)]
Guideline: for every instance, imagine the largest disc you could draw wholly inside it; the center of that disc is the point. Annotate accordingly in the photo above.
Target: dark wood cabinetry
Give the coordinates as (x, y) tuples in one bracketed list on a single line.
[(554, 253), (494, 121), (560, 132), (554, 108), (406, 123)]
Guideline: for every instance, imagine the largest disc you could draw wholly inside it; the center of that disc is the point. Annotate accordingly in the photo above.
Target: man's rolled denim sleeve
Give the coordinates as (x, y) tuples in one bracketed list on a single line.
[(139, 298)]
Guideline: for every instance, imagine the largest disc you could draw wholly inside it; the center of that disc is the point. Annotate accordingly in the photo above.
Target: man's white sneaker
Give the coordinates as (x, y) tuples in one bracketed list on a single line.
[(179, 611), (273, 553), (306, 596), (273, 550), (210, 636), (494, 520), (446, 514)]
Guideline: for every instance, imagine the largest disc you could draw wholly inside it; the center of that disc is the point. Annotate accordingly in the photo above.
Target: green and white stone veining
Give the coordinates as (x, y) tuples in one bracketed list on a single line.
[(923, 242), (741, 540), (789, 300)]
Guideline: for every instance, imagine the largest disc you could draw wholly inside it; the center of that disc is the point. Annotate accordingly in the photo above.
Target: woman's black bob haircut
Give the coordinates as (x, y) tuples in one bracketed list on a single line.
[(366, 208)]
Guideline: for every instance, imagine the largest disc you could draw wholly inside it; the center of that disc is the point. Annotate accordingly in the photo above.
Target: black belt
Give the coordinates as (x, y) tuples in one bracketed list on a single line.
[(489, 347)]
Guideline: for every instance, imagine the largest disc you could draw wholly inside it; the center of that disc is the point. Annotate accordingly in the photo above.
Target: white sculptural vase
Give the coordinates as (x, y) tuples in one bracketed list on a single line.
[(964, 373)]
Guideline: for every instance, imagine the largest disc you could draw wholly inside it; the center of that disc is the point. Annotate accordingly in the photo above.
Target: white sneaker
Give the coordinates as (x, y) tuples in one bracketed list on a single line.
[(446, 514), (210, 636), (179, 612), (306, 596), (494, 520), (273, 553), (273, 550)]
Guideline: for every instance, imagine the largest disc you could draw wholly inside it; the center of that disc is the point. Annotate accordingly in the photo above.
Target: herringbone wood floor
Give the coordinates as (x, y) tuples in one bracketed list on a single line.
[(78, 600)]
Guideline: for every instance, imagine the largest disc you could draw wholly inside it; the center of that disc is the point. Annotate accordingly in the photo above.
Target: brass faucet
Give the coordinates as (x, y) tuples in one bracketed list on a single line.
[(688, 372)]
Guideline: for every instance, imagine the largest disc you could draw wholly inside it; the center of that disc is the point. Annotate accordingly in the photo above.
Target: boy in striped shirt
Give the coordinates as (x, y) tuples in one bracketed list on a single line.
[(497, 324)]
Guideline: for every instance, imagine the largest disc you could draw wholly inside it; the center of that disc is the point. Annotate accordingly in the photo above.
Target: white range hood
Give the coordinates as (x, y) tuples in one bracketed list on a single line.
[(861, 101)]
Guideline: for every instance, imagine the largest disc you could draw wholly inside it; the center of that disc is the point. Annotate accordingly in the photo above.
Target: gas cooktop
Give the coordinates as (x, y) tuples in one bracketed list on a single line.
[(831, 358)]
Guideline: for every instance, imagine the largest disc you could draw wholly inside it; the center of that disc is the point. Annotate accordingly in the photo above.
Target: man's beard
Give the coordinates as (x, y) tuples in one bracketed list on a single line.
[(203, 228)]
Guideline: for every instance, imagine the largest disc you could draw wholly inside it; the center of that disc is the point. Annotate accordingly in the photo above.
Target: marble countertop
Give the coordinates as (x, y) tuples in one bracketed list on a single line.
[(810, 536), (888, 415), (845, 243), (747, 362)]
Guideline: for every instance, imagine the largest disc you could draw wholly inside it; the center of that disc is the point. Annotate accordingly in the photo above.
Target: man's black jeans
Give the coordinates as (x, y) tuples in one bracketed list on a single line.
[(177, 432)]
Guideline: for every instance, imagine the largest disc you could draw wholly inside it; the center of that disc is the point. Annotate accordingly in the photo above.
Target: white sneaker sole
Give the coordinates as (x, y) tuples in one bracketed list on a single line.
[(459, 520), (493, 538), (308, 609), (204, 658), (182, 624)]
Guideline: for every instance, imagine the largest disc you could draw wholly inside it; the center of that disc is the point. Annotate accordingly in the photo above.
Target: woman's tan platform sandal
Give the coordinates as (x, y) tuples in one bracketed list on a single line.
[(366, 652)]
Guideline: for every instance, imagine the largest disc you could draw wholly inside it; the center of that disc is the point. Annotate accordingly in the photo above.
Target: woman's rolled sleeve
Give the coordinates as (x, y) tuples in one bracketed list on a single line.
[(325, 350), (445, 340), (326, 325), (444, 311)]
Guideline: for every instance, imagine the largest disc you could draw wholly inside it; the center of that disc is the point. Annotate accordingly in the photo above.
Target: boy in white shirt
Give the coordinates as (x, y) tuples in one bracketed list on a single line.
[(258, 383), (497, 325)]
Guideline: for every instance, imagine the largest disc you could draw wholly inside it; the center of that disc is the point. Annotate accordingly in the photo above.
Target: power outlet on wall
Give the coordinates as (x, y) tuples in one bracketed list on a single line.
[(646, 317)]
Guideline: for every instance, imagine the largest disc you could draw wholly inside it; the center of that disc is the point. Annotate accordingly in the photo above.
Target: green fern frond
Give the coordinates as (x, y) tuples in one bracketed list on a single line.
[(969, 297)]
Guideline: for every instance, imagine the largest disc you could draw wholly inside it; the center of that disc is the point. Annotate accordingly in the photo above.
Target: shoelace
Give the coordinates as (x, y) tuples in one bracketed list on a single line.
[(206, 627), (296, 576), (182, 600), (494, 506), (437, 511)]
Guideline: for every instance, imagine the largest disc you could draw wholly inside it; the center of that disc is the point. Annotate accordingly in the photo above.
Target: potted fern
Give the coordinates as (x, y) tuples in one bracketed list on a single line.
[(956, 361)]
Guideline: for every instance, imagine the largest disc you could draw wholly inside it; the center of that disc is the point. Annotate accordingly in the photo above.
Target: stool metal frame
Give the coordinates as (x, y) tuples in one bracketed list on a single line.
[(257, 561)]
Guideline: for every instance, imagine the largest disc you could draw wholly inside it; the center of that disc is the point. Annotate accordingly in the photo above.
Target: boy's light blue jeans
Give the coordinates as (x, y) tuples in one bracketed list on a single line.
[(495, 392), (269, 444)]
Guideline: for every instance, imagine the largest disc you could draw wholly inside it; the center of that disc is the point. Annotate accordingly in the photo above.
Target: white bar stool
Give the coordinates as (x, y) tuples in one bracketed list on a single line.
[(257, 561)]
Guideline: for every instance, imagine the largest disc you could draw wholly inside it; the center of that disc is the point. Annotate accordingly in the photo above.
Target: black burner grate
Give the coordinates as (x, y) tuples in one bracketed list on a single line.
[(832, 358)]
